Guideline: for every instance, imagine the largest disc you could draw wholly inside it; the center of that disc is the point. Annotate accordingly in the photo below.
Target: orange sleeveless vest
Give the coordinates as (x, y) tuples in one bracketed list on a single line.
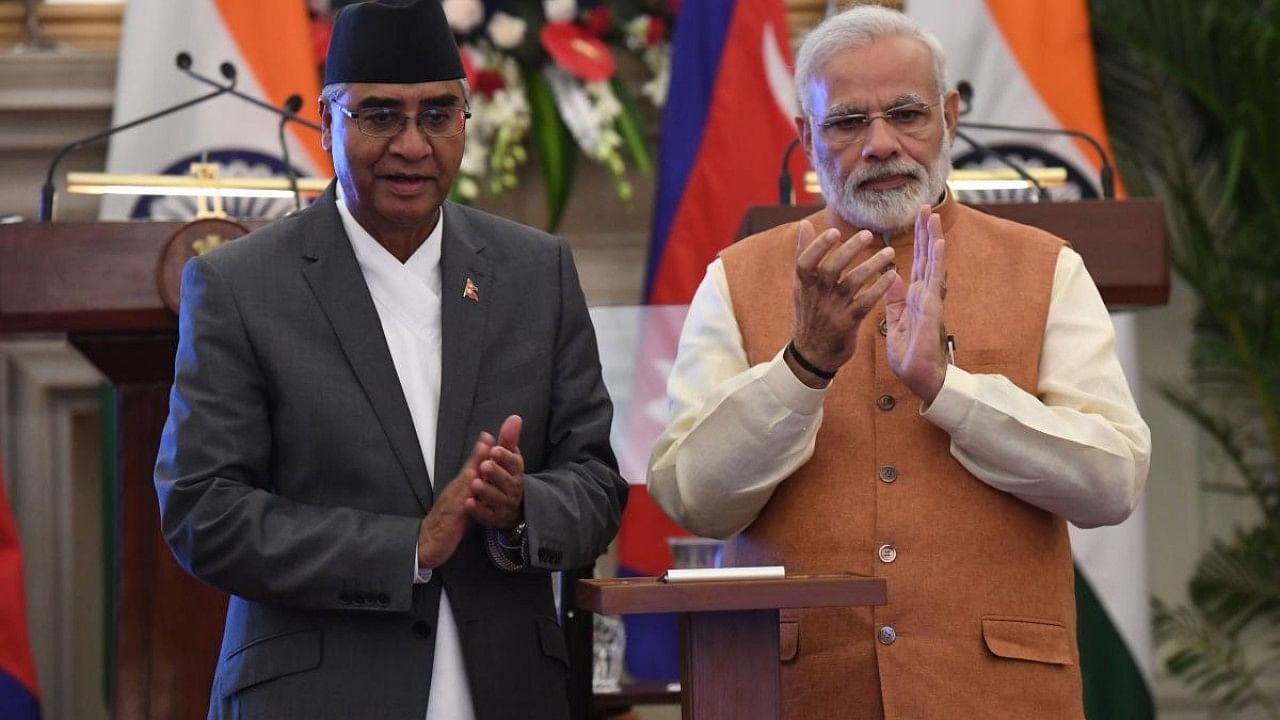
[(980, 620)]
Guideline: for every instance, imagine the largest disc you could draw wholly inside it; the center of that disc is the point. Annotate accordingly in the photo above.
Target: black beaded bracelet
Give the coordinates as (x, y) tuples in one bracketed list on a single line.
[(804, 363)]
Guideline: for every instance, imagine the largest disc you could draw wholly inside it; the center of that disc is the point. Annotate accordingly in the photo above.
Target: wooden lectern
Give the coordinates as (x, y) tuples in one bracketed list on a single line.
[(98, 283), (729, 667)]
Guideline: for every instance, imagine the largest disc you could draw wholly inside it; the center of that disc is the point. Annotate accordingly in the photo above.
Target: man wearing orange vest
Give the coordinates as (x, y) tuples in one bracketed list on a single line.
[(902, 386)]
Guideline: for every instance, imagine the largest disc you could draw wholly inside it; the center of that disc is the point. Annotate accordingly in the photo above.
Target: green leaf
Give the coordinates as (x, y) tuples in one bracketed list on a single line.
[(631, 126), (554, 145), (1190, 94)]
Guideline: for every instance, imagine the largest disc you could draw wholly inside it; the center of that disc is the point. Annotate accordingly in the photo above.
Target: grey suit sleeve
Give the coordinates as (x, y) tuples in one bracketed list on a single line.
[(219, 512), (573, 507)]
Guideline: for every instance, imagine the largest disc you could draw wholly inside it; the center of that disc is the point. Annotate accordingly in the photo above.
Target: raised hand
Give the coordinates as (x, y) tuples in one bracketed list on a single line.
[(443, 527), (913, 310), (832, 297), (497, 493)]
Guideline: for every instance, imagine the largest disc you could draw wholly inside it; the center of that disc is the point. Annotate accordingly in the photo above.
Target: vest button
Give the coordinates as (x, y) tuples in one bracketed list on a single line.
[(887, 553), (886, 402), (886, 635), (884, 327), (888, 473), (422, 629)]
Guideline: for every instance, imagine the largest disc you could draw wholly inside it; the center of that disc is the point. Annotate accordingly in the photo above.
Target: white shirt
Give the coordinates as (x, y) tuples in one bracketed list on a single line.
[(407, 298), (1077, 448)]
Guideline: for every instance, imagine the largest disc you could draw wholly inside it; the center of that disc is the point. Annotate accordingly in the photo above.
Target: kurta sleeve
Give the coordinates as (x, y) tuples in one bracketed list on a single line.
[(736, 431), (1078, 447)]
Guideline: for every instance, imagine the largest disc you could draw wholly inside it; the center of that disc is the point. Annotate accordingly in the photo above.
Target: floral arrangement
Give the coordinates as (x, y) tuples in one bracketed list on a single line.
[(543, 74)]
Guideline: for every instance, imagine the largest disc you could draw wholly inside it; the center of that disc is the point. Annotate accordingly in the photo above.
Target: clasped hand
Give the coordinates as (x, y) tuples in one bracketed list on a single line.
[(916, 335), (489, 489), (832, 297)]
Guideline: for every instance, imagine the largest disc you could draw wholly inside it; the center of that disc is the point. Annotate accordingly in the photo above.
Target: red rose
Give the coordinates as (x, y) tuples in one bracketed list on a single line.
[(468, 67), (489, 82), (597, 21), (656, 32)]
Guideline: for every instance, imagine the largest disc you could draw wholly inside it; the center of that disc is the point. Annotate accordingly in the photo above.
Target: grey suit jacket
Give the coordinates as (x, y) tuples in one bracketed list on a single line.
[(290, 475)]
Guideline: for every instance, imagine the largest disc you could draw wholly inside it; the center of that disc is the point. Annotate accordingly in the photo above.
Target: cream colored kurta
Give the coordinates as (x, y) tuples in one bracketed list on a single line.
[(407, 298), (1077, 448), (960, 506)]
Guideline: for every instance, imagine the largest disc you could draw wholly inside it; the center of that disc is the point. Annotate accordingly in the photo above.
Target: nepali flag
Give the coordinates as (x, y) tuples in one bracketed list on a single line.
[(729, 119), (18, 692)]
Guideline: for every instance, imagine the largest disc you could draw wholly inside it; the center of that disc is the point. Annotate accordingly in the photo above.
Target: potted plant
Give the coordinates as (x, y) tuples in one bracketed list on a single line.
[(1191, 91)]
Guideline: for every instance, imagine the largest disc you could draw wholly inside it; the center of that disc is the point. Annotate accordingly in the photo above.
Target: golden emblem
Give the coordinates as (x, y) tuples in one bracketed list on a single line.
[(206, 243)]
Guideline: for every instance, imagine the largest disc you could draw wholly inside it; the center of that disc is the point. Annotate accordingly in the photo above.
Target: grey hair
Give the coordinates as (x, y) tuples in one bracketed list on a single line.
[(859, 27), (331, 92)]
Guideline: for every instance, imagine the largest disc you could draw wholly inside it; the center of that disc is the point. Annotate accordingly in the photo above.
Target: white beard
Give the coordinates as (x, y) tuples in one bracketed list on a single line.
[(885, 210)]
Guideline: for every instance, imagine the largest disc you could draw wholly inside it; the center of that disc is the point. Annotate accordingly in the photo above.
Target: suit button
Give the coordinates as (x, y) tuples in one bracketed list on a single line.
[(887, 553), (384, 599), (886, 402), (886, 635), (884, 327), (888, 473), (422, 629)]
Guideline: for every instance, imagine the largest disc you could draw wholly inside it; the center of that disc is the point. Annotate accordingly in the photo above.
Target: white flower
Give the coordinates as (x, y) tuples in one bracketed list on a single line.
[(560, 10), (637, 31), (506, 31), (607, 105), (475, 159), (463, 15), (467, 188)]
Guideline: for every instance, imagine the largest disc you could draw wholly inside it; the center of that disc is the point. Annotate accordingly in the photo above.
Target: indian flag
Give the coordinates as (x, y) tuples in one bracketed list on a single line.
[(1031, 64), (270, 45)]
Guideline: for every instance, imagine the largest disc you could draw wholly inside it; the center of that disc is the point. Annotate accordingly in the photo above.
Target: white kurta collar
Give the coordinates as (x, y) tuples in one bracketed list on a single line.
[(407, 298)]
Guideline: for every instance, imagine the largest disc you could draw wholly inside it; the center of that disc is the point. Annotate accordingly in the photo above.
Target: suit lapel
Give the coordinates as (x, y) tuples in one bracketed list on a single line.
[(335, 278), (466, 294)]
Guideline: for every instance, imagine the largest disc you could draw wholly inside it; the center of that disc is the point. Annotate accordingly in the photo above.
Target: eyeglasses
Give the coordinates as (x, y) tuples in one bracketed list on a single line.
[(910, 119), (382, 122)]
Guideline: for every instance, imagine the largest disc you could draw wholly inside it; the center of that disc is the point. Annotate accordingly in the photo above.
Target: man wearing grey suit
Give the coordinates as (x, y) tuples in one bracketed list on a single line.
[(388, 421)]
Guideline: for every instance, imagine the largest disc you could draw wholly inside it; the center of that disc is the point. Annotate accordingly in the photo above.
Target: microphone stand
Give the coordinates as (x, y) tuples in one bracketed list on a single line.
[(48, 191), (784, 175), (291, 106), (1004, 160), (292, 117), (1106, 174)]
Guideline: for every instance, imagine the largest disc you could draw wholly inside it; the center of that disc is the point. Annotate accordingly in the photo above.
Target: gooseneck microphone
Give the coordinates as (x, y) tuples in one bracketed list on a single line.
[(965, 89), (291, 108), (1004, 160), (290, 117), (784, 175), (48, 192), (1106, 172)]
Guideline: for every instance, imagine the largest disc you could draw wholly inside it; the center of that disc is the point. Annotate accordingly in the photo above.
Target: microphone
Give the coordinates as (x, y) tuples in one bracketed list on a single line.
[(784, 175), (965, 89), (1004, 160), (291, 108), (1106, 173), (48, 192), (226, 68)]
